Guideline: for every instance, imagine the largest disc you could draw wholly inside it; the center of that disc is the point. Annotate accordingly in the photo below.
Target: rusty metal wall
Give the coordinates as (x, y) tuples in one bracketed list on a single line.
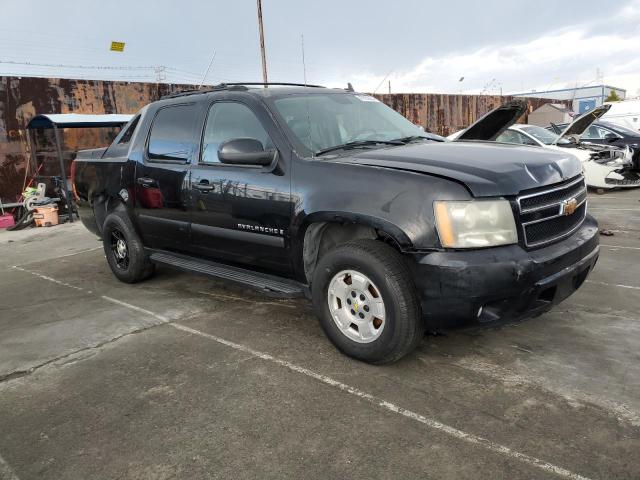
[(23, 97), (445, 114)]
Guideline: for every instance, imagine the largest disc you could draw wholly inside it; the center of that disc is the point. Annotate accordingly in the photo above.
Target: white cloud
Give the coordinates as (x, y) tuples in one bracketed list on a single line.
[(558, 59)]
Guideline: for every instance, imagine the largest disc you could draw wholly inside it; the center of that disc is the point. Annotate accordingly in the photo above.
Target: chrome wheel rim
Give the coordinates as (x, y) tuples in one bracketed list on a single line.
[(356, 306), (119, 249)]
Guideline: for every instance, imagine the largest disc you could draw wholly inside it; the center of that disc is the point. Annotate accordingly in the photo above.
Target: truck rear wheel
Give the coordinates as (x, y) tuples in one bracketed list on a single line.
[(367, 302), (123, 249)]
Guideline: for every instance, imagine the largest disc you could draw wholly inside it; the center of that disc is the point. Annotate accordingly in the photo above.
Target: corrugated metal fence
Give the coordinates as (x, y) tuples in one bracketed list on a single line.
[(445, 114)]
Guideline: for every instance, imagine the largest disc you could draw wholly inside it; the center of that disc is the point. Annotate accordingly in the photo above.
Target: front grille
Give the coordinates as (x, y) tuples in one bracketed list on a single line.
[(544, 217)]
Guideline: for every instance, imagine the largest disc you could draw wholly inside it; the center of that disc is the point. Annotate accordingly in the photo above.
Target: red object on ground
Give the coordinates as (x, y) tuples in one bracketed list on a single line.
[(6, 220)]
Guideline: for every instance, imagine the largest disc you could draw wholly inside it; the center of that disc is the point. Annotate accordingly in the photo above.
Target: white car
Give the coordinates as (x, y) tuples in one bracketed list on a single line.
[(604, 166)]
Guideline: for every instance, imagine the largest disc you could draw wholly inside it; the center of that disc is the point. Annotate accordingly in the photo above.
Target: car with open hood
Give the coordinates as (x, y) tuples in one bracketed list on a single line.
[(605, 132), (605, 166), (332, 195)]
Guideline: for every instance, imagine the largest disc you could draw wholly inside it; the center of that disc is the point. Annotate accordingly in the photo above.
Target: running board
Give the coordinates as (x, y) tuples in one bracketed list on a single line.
[(269, 284)]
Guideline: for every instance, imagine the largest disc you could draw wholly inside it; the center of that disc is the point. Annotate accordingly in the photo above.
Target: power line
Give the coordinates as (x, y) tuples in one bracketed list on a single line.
[(85, 67)]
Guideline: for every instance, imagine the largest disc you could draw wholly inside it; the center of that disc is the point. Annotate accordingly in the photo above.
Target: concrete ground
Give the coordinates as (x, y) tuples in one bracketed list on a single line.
[(184, 377)]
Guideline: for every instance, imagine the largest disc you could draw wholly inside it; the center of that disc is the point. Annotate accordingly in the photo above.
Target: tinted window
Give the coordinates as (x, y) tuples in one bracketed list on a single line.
[(230, 120), (624, 130), (127, 134), (120, 145), (172, 133)]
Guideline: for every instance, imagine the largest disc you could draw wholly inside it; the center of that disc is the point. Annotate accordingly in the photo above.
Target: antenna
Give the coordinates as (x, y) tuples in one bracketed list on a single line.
[(380, 84), (207, 70), (304, 66)]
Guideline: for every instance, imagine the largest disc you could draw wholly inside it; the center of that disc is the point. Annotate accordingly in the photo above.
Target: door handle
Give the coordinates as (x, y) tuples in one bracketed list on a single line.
[(146, 182), (203, 186)]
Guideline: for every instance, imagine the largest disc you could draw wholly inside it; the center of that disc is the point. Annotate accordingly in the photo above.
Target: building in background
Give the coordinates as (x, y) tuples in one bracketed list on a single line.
[(582, 99), (551, 113)]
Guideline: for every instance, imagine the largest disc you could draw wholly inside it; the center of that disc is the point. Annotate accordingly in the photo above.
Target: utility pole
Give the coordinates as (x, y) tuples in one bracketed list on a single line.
[(161, 73), (262, 52), (389, 87)]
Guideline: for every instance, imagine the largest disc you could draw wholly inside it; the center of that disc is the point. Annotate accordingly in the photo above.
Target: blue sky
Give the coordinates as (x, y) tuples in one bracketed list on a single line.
[(417, 45)]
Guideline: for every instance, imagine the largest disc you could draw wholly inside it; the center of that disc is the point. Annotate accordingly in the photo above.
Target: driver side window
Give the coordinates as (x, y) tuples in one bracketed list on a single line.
[(228, 120)]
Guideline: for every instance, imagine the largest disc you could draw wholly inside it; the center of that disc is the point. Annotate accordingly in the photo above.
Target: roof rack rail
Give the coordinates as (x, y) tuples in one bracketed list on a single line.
[(276, 83), (235, 86)]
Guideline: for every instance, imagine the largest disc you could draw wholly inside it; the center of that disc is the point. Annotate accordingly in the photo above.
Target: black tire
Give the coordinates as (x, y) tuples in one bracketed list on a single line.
[(137, 266), (404, 327)]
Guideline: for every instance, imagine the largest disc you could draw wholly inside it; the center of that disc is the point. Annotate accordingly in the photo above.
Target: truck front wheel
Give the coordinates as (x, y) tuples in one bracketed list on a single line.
[(367, 303), (123, 249)]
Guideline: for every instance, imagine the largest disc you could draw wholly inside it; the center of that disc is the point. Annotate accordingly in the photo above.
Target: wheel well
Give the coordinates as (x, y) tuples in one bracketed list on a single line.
[(321, 237), (103, 205)]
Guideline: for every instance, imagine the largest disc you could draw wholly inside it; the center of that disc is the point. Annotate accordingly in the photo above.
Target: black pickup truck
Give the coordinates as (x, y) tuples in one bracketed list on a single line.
[(330, 194)]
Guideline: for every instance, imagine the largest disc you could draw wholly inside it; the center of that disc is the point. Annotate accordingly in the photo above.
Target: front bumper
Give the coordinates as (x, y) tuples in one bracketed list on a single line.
[(502, 283)]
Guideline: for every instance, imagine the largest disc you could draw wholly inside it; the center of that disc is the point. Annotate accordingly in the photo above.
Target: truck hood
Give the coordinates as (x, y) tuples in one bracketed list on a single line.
[(581, 123), (487, 169)]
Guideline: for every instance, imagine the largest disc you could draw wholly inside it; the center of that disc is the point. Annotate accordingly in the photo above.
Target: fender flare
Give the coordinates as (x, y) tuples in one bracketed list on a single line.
[(390, 230)]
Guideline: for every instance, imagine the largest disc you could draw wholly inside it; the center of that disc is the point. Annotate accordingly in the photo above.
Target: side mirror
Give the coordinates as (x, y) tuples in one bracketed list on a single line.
[(244, 151), (610, 137)]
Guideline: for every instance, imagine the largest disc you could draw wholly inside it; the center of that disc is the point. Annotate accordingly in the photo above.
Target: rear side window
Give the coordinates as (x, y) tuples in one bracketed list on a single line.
[(172, 133), (120, 145), (127, 134)]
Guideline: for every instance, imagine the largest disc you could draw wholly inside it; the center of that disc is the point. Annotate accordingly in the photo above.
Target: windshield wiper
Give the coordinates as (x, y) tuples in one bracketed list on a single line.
[(411, 138), (356, 144)]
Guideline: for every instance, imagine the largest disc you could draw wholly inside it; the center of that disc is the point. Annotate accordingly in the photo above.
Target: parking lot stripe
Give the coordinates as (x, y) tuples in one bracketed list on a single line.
[(615, 209), (133, 307), (613, 284), (63, 256), (50, 279), (620, 246), (6, 473), (391, 407)]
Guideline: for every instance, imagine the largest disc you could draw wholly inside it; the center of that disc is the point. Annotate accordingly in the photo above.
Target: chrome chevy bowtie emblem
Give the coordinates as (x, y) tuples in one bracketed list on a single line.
[(569, 206)]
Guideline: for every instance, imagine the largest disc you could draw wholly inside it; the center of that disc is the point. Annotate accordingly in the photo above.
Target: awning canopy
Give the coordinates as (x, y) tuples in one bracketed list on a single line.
[(78, 120)]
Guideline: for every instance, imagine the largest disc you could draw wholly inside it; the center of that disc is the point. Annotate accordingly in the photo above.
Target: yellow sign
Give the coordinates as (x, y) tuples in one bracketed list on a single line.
[(117, 46)]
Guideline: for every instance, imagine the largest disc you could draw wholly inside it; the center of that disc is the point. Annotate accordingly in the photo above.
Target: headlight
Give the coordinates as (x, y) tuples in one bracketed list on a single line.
[(475, 223)]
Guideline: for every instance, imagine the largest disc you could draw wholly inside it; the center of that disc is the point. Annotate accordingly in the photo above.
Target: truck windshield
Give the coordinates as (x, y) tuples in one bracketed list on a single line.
[(322, 121)]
